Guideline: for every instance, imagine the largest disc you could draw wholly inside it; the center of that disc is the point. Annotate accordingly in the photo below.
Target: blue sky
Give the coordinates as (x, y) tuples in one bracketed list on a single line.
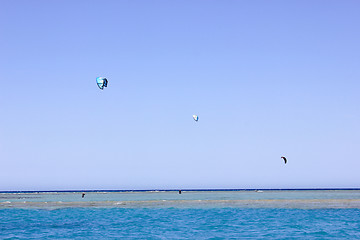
[(266, 78)]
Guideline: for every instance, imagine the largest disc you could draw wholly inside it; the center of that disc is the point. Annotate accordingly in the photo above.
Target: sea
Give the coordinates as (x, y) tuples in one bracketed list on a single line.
[(193, 214)]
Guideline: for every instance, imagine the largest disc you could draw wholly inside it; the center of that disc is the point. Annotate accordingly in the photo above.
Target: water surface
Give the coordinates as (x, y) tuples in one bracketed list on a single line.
[(326, 214)]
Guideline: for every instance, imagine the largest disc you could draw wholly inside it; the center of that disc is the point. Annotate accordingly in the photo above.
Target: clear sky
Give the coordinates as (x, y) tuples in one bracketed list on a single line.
[(266, 78)]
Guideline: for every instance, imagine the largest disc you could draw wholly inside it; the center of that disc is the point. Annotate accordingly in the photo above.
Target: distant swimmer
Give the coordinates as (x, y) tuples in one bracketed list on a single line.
[(284, 159), (83, 195), (180, 191)]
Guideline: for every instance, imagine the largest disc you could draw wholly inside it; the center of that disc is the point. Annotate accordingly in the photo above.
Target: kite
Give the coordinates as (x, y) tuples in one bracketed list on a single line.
[(101, 82)]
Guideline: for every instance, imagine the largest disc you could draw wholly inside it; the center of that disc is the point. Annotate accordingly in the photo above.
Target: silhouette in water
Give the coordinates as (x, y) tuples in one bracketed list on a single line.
[(284, 159), (180, 191), (83, 195)]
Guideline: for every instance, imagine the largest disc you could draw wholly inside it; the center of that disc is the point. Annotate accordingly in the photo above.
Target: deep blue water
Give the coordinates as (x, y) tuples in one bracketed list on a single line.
[(180, 223)]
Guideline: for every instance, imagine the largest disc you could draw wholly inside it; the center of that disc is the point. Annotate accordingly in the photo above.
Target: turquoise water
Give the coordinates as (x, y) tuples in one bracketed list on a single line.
[(191, 215)]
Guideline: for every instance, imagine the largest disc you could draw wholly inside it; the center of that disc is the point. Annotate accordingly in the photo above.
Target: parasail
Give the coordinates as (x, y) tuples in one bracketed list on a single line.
[(195, 117)]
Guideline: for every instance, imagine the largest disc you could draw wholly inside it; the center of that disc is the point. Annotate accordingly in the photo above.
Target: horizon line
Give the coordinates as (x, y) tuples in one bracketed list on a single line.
[(172, 190)]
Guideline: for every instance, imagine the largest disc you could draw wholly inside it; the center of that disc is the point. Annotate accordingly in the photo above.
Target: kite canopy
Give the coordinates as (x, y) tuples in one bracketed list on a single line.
[(195, 117), (101, 82)]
